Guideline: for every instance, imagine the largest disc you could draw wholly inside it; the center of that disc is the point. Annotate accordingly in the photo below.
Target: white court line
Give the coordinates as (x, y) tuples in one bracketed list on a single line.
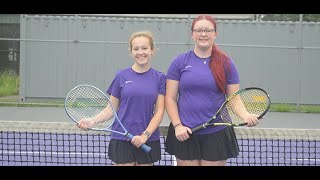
[(50, 153), (285, 159), (174, 160), (69, 153)]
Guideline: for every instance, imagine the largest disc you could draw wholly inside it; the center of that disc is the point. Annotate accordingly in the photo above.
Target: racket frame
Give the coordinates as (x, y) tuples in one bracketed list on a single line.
[(209, 122), (145, 147)]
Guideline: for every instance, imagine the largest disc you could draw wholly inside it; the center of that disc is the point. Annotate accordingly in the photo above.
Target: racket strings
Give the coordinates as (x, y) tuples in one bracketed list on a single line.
[(87, 102), (253, 101)]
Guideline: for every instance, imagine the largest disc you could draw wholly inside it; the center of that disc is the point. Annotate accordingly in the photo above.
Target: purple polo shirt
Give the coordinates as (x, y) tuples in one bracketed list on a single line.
[(199, 97), (138, 94)]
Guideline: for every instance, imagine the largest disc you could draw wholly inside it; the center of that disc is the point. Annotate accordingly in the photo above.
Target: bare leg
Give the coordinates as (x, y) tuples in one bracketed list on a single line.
[(137, 164), (125, 164), (213, 163), (188, 162)]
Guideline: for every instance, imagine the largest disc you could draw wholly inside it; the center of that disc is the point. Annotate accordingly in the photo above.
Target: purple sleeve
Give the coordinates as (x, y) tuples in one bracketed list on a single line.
[(162, 87), (115, 88), (233, 77), (173, 72)]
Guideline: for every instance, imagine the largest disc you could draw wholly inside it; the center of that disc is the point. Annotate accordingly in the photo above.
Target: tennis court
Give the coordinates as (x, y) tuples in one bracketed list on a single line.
[(45, 55), (53, 142)]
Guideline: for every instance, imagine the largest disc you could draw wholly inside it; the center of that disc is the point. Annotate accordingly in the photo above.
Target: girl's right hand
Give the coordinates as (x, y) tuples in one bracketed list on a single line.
[(182, 132), (85, 123)]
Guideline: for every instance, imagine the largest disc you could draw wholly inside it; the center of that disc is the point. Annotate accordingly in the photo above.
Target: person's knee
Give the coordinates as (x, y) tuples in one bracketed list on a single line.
[(188, 162), (213, 163)]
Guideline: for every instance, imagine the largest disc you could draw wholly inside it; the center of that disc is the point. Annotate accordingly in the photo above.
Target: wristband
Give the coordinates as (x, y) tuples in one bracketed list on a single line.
[(176, 125), (146, 133)]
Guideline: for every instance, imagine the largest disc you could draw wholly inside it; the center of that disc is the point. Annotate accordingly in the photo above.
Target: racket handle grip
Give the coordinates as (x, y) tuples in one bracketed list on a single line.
[(201, 126), (143, 146), (242, 124)]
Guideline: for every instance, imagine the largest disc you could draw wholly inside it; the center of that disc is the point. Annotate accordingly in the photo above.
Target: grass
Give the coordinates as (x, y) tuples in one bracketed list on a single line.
[(283, 108), (310, 108), (23, 104), (305, 108), (9, 84)]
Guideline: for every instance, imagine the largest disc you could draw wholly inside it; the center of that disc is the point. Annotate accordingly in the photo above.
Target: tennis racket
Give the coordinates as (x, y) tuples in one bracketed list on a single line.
[(87, 101), (251, 100)]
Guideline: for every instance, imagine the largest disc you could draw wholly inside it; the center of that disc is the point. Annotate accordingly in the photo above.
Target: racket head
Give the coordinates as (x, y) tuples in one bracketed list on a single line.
[(86, 101), (254, 100)]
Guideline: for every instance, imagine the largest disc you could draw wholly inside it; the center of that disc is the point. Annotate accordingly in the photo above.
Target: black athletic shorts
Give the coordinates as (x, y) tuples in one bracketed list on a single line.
[(121, 152), (217, 146)]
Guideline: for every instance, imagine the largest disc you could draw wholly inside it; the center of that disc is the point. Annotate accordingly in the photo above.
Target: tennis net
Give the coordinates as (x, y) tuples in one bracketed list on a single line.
[(63, 144)]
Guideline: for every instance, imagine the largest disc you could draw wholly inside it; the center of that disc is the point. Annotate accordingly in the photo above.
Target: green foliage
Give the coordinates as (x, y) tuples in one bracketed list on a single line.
[(283, 108), (18, 104), (294, 108), (9, 84), (310, 108)]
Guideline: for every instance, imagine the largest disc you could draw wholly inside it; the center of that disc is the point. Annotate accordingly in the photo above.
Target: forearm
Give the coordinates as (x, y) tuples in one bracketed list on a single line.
[(172, 110), (155, 122), (238, 108), (158, 115), (104, 115), (171, 102)]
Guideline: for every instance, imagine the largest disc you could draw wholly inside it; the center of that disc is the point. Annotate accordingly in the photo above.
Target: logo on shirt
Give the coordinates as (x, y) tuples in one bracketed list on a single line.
[(128, 82), (188, 67)]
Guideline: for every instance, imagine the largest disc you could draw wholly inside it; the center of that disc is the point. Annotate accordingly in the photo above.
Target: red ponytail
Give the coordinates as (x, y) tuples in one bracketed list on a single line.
[(219, 60), (219, 65)]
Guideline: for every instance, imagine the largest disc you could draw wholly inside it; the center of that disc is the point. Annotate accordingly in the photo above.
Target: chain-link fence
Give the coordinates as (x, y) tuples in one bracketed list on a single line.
[(9, 61), (288, 17), (9, 49), (10, 39)]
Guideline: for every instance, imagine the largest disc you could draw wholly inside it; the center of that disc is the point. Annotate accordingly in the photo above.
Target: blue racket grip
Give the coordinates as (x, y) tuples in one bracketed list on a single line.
[(143, 146)]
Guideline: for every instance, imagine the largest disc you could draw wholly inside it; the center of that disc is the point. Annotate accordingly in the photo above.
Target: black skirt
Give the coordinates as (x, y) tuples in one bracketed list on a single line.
[(121, 152), (217, 146)]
